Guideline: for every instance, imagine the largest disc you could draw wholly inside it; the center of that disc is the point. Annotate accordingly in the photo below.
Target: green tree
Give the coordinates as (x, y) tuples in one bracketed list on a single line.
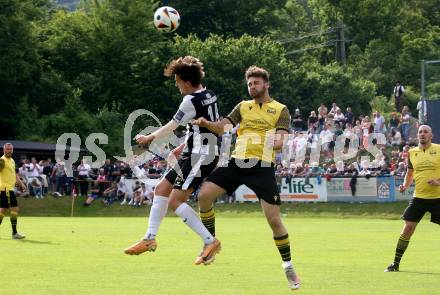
[(228, 17), (19, 59)]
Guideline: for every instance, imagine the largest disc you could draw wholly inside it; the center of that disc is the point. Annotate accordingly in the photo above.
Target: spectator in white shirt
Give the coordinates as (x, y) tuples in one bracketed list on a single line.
[(421, 107), (339, 118), (34, 169), (334, 108), (23, 171), (326, 137), (83, 175), (379, 123)]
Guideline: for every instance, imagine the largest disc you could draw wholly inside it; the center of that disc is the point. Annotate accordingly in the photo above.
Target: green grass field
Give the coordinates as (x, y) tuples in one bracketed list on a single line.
[(333, 255)]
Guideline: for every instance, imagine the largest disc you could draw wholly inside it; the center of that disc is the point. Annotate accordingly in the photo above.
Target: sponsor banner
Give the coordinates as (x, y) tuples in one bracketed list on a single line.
[(291, 190), (407, 195), (385, 188), (339, 189)]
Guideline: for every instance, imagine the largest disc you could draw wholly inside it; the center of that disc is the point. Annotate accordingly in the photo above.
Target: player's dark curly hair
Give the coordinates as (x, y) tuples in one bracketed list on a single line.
[(255, 71), (188, 68)]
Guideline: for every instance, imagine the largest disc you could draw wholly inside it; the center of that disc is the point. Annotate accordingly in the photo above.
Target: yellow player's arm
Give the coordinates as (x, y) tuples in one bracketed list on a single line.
[(2, 164), (280, 136), (282, 129), (218, 127), (222, 126), (409, 177)]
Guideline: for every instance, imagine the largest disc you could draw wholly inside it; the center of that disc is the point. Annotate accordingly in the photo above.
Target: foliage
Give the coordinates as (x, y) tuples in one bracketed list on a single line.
[(88, 69), (383, 105), (228, 17)]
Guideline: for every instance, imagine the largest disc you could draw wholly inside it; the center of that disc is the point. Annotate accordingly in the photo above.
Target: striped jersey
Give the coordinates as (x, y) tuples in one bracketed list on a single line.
[(202, 103)]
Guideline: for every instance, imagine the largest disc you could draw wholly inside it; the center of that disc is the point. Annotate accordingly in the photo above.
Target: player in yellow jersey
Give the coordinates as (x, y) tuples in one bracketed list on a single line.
[(424, 169), (8, 179), (264, 123)]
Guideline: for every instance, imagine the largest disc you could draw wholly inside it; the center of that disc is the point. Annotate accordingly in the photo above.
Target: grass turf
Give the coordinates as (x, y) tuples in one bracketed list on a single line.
[(63, 255), (61, 207)]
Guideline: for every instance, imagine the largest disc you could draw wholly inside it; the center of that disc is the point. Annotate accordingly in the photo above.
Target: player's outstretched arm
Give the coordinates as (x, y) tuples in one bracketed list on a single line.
[(218, 127), (162, 132)]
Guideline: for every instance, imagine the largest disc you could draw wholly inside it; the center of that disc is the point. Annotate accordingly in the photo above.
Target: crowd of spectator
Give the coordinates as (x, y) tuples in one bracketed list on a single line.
[(320, 131), (107, 182), (357, 137)]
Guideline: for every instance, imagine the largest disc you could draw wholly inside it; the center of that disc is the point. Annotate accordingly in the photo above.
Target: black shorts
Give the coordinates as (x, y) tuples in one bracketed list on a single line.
[(193, 168), (418, 207), (259, 179), (8, 199)]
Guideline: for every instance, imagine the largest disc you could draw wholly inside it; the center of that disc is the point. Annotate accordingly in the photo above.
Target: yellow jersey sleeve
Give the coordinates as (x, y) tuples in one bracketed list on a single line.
[(284, 120), (235, 116)]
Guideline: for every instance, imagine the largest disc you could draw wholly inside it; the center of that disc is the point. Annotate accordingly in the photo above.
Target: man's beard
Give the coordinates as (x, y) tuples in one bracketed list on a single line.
[(258, 94), (8, 155), (423, 141)]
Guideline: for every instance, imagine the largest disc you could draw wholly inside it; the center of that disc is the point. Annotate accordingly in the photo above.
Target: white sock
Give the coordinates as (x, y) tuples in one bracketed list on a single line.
[(287, 264), (190, 217), (157, 213)]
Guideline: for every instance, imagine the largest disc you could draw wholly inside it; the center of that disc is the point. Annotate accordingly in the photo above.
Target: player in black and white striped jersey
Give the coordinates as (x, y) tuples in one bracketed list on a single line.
[(198, 155)]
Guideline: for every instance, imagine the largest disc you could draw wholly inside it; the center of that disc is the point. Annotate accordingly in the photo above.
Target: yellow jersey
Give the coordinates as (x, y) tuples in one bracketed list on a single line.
[(7, 175), (426, 166), (256, 122)]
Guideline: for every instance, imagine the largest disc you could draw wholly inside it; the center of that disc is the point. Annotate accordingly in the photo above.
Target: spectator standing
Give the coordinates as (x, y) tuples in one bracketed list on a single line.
[(349, 117), (83, 175), (322, 115), (297, 121), (394, 121), (421, 107), (366, 124), (398, 94), (47, 170), (357, 129), (379, 123), (59, 173), (326, 137), (405, 118), (312, 122)]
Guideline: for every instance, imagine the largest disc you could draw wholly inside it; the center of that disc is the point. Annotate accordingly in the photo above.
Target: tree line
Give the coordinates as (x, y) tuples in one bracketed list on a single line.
[(85, 70)]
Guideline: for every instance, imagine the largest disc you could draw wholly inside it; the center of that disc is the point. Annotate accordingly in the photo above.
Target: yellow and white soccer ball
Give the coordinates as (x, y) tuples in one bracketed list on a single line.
[(166, 19)]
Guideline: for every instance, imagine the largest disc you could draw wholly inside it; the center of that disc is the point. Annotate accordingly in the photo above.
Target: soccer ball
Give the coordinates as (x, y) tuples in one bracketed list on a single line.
[(166, 19)]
